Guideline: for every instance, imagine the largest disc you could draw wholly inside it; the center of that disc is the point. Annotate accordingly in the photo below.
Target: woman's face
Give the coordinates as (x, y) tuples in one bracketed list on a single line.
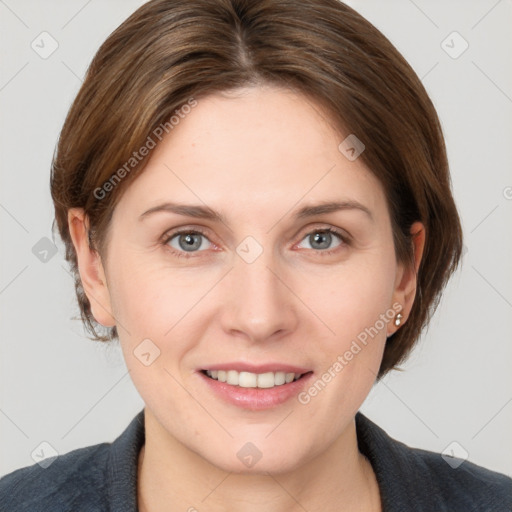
[(251, 244)]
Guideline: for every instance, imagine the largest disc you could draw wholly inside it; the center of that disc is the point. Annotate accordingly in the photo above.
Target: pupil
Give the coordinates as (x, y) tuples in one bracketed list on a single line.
[(321, 240)]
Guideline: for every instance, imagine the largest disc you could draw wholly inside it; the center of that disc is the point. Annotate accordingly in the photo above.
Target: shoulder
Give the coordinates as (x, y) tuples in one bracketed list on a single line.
[(95, 478), (462, 483), (66, 484), (427, 480)]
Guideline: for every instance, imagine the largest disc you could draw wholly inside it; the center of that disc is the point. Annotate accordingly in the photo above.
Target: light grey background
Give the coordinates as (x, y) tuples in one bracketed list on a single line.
[(61, 388)]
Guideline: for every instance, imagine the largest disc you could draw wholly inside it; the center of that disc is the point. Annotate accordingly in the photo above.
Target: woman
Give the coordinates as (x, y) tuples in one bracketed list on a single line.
[(255, 200)]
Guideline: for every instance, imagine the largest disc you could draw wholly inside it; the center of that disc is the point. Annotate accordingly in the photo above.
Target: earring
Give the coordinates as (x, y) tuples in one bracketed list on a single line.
[(398, 319)]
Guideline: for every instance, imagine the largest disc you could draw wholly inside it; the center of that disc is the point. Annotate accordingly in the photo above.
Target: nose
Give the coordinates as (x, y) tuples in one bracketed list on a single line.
[(258, 302)]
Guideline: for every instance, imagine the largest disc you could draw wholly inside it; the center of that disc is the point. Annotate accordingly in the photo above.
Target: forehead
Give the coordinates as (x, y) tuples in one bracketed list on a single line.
[(254, 148)]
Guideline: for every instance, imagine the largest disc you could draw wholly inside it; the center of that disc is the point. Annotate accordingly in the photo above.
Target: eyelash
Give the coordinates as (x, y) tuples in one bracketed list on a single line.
[(167, 237)]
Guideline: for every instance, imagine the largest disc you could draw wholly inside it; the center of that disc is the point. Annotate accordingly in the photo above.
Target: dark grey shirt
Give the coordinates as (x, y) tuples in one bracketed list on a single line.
[(103, 478)]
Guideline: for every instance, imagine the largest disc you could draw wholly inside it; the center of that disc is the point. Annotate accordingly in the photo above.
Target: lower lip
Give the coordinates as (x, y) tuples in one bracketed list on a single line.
[(256, 399)]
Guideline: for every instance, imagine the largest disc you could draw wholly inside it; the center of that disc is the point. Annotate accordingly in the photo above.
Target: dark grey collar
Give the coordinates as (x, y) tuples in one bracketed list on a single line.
[(122, 466)]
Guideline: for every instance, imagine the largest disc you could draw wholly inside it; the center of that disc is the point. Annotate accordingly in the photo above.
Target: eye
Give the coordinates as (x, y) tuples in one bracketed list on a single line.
[(323, 239), (187, 241)]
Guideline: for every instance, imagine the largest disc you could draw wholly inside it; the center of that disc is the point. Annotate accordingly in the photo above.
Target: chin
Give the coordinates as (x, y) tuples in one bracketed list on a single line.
[(259, 458)]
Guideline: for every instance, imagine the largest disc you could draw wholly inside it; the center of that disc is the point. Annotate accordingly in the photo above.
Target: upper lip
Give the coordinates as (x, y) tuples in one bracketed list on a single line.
[(258, 368)]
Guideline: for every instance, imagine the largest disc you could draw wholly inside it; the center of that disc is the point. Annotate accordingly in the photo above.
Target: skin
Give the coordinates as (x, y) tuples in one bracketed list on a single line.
[(256, 156)]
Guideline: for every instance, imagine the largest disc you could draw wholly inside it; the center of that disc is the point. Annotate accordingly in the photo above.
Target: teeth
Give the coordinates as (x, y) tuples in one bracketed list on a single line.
[(232, 377), (253, 380), (248, 380), (266, 380)]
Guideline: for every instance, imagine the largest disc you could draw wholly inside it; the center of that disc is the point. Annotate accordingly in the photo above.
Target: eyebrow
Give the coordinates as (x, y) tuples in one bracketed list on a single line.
[(205, 212)]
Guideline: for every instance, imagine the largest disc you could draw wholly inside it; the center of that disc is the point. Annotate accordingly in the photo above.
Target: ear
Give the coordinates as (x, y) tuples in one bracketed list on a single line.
[(90, 268), (406, 278)]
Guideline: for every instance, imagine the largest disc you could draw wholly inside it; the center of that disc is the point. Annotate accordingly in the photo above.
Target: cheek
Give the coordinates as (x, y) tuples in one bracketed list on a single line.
[(149, 298), (353, 298), (354, 306), (161, 304)]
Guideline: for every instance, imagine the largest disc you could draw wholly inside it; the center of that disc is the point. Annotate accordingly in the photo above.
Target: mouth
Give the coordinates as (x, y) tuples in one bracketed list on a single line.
[(244, 379), (255, 387)]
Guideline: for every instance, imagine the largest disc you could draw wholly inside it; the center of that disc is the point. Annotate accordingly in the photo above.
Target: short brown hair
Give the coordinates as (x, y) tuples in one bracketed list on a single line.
[(170, 51)]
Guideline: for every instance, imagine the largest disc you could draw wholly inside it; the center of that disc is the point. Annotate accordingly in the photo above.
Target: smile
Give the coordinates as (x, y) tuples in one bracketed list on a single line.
[(253, 380)]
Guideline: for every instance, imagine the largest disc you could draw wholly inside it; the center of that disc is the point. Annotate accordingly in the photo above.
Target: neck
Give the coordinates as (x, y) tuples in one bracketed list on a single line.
[(172, 477)]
